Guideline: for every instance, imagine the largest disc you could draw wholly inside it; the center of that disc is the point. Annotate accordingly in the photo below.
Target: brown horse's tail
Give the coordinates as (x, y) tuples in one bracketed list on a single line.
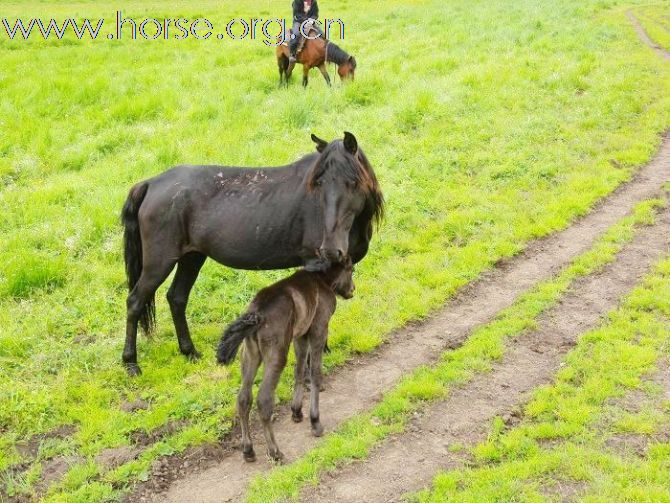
[(232, 338), (132, 249)]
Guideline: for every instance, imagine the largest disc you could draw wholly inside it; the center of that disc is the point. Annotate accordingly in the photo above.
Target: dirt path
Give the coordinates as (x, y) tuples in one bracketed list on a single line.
[(360, 384), (644, 36), (409, 461)]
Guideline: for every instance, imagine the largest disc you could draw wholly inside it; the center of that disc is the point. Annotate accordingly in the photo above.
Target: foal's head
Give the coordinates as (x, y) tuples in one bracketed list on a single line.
[(340, 278)]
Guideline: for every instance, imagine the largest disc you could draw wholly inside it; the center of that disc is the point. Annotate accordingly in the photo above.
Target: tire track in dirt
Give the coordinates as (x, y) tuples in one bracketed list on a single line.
[(409, 461), (644, 36), (358, 385)]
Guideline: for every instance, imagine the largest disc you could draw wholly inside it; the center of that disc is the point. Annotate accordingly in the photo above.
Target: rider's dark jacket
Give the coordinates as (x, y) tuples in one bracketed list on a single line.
[(299, 14)]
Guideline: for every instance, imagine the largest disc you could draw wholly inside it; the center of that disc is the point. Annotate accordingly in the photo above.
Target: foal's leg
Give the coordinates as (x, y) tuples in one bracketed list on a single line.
[(275, 361), (153, 274), (301, 347), (251, 360), (324, 72), (317, 342), (188, 268)]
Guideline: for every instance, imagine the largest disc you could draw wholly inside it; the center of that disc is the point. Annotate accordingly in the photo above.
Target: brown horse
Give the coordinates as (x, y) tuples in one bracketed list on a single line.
[(315, 53), (298, 309)]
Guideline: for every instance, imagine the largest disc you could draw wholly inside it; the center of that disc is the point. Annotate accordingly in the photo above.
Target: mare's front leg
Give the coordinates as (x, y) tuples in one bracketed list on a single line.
[(301, 346), (251, 360), (275, 361), (317, 343), (324, 72), (188, 269)]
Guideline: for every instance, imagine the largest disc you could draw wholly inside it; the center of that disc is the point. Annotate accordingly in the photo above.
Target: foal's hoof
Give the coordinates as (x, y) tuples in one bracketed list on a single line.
[(317, 429), (133, 369), (297, 416), (277, 457), (249, 456)]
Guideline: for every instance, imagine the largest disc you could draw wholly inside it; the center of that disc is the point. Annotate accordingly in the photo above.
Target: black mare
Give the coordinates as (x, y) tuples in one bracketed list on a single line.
[(316, 211)]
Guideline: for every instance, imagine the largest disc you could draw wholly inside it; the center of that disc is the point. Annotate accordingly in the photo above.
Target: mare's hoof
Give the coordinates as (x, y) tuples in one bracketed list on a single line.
[(194, 356), (133, 369), (249, 456), (297, 416)]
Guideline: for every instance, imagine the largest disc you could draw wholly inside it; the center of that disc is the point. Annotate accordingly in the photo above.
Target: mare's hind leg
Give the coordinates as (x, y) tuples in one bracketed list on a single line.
[(301, 346), (274, 363), (251, 360), (188, 268), (153, 274), (324, 72)]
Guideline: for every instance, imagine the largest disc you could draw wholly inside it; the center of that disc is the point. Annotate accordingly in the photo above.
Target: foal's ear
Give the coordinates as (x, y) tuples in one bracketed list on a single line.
[(352, 61), (320, 144), (350, 143)]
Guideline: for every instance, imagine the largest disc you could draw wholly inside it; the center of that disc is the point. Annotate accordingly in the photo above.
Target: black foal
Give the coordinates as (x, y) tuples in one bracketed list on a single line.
[(297, 308)]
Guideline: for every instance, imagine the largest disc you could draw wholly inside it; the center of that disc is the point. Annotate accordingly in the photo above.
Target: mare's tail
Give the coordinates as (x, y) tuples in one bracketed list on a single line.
[(132, 249), (243, 327)]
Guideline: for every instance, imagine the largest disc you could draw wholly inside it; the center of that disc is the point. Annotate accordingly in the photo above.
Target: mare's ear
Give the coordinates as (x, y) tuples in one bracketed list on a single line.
[(350, 143), (352, 61), (320, 144)]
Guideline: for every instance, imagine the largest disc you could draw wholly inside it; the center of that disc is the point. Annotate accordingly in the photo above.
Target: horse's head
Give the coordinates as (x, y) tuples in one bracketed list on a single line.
[(347, 187), (347, 70), (340, 277)]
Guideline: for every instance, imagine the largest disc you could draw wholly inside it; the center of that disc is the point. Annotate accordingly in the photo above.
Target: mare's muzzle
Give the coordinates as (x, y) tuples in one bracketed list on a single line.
[(333, 254)]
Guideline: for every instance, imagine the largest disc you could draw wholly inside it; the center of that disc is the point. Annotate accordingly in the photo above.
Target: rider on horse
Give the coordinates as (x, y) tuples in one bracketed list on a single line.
[(303, 10)]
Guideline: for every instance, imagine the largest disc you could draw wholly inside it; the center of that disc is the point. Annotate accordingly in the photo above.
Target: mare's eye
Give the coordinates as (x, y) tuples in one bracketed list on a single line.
[(318, 183)]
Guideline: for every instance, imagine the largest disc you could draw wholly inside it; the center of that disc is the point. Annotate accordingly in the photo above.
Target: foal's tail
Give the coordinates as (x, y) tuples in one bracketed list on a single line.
[(243, 327), (132, 249)]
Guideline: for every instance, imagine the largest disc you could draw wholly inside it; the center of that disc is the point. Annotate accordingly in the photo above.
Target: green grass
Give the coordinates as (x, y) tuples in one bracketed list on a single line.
[(498, 126), (563, 440), (356, 437), (656, 21)]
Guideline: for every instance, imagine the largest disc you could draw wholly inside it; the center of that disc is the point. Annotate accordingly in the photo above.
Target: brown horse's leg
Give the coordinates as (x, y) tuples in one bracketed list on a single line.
[(318, 337), (305, 74), (282, 63), (289, 71), (275, 361), (251, 360), (324, 72), (301, 346), (188, 268), (151, 278)]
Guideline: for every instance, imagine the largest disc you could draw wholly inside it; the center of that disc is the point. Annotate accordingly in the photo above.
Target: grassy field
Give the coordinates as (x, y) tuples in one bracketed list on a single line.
[(656, 22), (497, 124), (572, 442)]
